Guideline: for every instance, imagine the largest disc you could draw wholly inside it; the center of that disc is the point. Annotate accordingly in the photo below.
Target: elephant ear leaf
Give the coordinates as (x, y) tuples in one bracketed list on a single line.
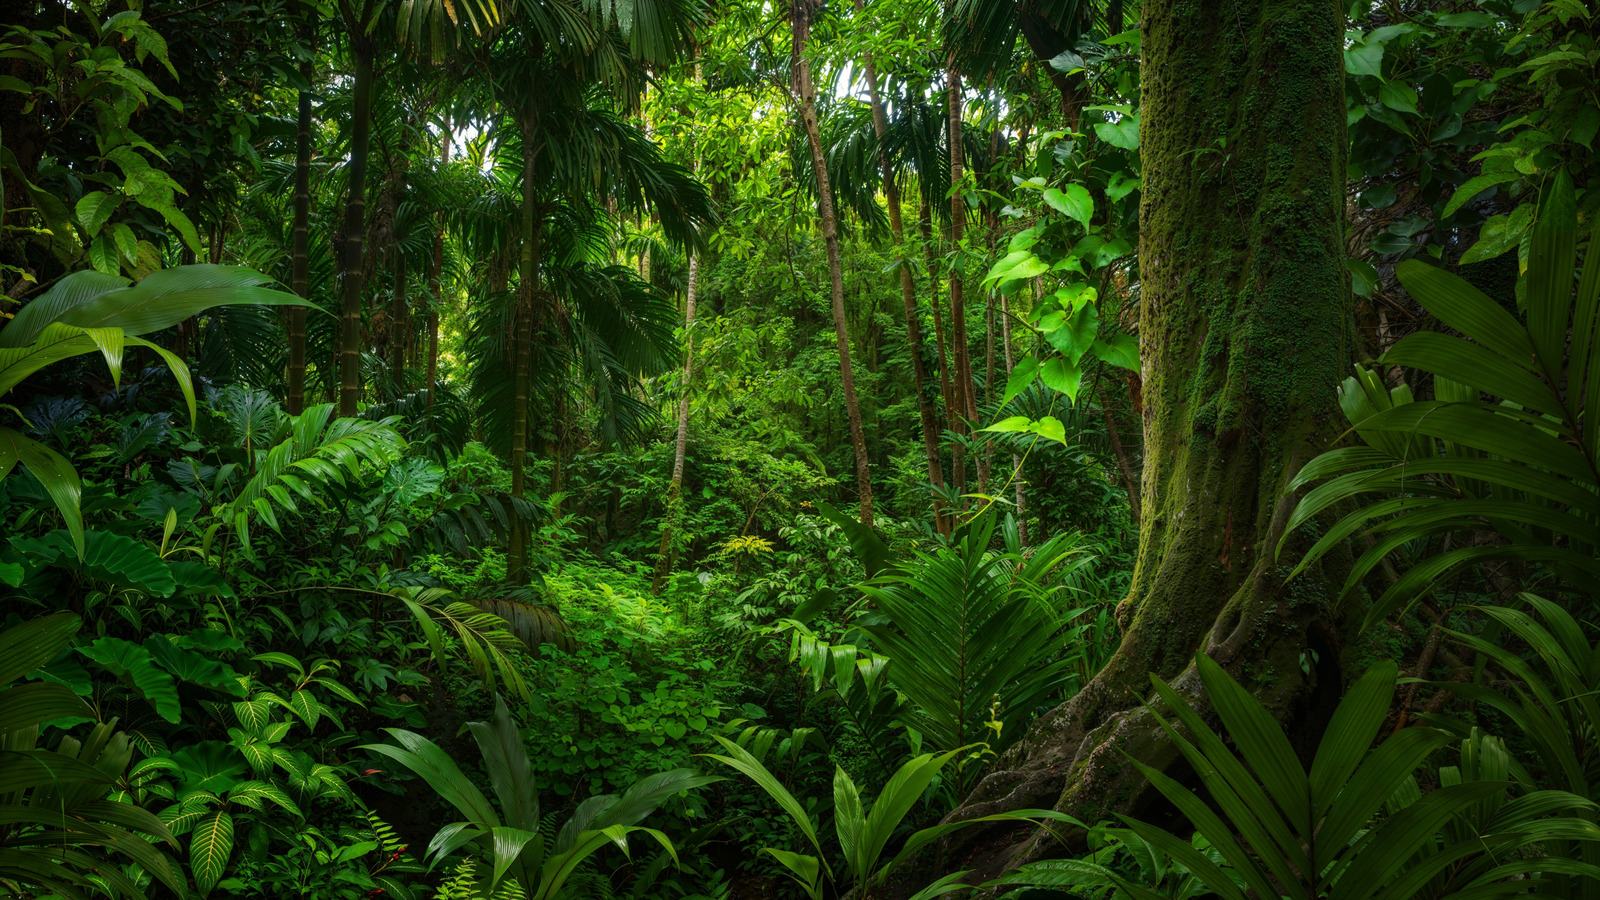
[(107, 557), (195, 668), (135, 666)]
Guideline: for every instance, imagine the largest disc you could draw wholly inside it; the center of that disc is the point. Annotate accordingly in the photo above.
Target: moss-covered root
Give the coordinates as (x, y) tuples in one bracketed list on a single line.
[(1076, 759)]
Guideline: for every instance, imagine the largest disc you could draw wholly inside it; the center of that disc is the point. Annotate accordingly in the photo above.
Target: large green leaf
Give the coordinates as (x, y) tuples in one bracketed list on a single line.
[(161, 300), (108, 557), (967, 626), (53, 471), (209, 849), (1072, 200), (135, 666), (33, 643), (187, 665), (30, 705)]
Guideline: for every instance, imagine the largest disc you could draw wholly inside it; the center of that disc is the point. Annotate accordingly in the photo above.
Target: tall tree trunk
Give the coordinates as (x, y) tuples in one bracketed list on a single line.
[(355, 230), (964, 388), (908, 295), (436, 276), (664, 555), (1019, 478), (522, 345), (987, 460), (805, 91), (947, 393), (300, 268), (399, 322), (1246, 328), (966, 385)]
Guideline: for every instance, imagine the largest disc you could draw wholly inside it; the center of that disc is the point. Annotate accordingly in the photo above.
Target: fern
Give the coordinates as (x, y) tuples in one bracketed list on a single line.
[(319, 453), (483, 635), (463, 884), (392, 859)]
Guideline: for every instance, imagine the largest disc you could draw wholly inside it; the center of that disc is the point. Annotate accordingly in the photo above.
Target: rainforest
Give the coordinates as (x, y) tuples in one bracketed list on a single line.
[(732, 449)]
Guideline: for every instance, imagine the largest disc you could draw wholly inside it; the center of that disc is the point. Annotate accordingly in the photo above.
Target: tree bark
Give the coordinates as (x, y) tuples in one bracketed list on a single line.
[(436, 277), (947, 391), (355, 230), (1019, 477), (965, 388), (1245, 328), (300, 268), (908, 295), (522, 345), (665, 554), (805, 91), (399, 324)]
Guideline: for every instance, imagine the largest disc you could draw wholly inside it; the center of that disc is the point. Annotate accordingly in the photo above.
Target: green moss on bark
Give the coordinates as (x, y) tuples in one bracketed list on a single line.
[(1245, 329)]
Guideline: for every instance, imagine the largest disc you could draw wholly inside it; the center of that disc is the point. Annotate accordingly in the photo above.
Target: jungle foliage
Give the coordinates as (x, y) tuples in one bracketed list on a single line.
[(425, 425)]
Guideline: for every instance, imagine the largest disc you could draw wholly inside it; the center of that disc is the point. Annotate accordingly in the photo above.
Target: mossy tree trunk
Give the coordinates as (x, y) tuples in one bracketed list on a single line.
[(1245, 329)]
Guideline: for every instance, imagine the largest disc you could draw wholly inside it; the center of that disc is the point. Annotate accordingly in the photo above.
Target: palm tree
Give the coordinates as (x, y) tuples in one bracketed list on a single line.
[(354, 16), (571, 311), (908, 288), (544, 67), (423, 27), (801, 14), (300, 279)]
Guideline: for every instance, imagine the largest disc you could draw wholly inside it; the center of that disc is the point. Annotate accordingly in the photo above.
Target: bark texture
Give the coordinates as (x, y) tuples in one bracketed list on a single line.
[(965, 389), (355, 234), (805, 91), (522, 343), (399, 323), (1245, 329), (299, 272)]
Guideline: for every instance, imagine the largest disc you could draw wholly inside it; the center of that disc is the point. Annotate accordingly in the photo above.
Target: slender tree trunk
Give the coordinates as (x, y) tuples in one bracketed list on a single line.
[(966, 386), (436, 276), (664, 555), (399, 322), (355, 231), (987, 460), (947, 391), (805, 91), (300, 269), (1245, 329), (1124, 464), (522, 345), (1019, 480), (908, 296)]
